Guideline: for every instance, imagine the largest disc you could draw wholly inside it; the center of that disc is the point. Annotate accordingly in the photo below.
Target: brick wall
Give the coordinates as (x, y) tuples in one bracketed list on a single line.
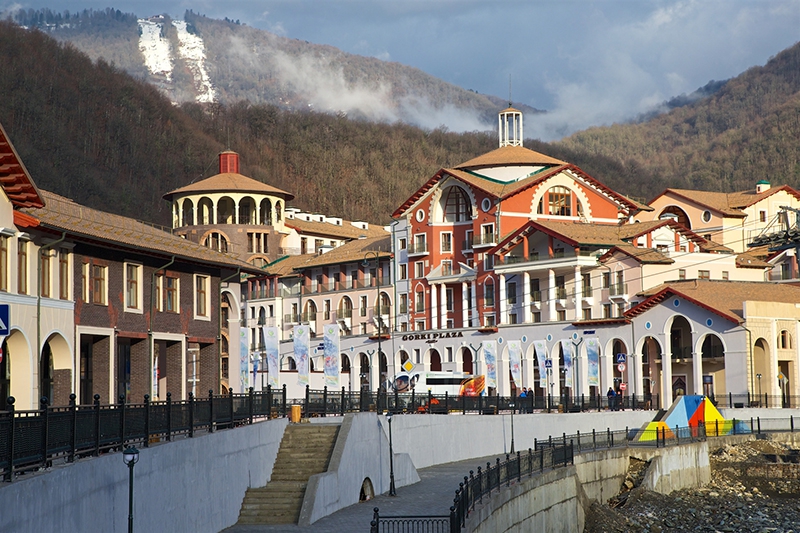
[(62, 386), (140, 370), (209, 368), (100, 369), (174, 354)]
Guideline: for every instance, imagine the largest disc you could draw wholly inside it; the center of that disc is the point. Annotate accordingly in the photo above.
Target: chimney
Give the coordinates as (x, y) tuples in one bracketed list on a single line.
[(228, 162), (762, 186)]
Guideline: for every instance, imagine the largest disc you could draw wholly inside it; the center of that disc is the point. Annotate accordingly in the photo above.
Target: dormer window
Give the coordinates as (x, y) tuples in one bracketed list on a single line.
[(457, 206)]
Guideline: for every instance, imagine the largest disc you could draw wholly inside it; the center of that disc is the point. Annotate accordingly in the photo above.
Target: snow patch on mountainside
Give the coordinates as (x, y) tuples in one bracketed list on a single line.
[(155, 49), (193, 51)]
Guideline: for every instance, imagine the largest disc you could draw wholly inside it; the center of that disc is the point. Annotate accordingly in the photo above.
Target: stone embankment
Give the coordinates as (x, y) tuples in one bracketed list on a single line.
[(755, 487)]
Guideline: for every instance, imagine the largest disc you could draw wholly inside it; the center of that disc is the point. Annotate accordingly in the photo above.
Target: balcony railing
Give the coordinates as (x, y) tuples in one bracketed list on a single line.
[(308, 317), (536, 296), (291, 318), (618, 289), (290, 291), (484, 239), (404, 308), (344, 313), (561, 293), (418, 248), (586, 292), (381, 310)]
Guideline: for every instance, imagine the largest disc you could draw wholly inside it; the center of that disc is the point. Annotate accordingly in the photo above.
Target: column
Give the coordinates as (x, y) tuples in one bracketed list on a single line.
[(476, 318), (666, 375), (213, 213), (503, 379), (697, 372), (180, 215), (434, 310), (443, 307), (258, 213), (555, 373), (551, 295), (464, 306), (503, 304), (236, 212), (526, 297), (578, 293)]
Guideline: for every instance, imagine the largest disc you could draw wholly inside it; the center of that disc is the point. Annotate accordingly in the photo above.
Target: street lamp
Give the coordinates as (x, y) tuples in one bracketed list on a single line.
[(130, 457), (511, 405), (378, 285), (759, 388), (392, 492)]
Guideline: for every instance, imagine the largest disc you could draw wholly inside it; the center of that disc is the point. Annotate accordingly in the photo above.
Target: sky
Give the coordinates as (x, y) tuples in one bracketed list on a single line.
[(587, 62)]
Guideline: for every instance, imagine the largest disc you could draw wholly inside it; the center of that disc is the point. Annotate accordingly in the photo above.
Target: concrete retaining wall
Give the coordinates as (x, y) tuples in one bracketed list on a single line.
[(192, 485)]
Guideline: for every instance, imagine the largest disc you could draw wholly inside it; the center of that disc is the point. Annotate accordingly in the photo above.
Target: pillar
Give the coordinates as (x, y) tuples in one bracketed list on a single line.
[(434, 309), (503, 303), (526, 297), (551, 295), (464, 306), (697, 372), (476, 320), (443, 306)]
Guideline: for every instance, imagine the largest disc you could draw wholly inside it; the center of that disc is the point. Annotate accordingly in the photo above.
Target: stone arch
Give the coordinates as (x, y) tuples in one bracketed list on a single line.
[(226, 210), (651, 350), (278, 211), (56, 358), (188, 213), (247, 211), (20, 358), (205, 212), (364, 372), (452, 200), (677, 213), (432, 360), (310, 311), (216, 240), (710, 345), (467, 363), (345, 368), (678, 329)]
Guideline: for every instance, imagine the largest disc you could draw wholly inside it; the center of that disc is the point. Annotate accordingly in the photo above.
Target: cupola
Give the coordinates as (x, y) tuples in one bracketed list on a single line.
[(228, 162), (762, 186), (510, 127)]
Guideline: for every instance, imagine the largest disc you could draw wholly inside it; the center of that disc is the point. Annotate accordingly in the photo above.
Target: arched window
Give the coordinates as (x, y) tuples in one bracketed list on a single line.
[(785, 340), (266, 213), (457, 206), (560, 201), (188, 213), (488, 293), (278, 213), (216, 241)]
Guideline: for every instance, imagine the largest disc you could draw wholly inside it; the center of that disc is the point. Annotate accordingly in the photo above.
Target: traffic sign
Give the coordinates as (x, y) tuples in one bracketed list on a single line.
[(623, 386), (621, 358), (621, 367), (548, 363), (5, 320)]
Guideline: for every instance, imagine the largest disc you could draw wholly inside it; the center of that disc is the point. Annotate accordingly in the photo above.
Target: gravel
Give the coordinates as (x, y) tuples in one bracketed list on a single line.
[(739, 498)]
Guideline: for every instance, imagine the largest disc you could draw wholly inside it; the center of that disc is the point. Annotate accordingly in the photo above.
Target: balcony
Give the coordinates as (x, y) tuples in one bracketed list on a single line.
[(344, 313), (418, 248), (486, 239), (618, 290), (291, 318), (586, 292), (560, 293), (290, 291), (308, 317), (403, 308), (381, 310), (536, 296), (261, 294)]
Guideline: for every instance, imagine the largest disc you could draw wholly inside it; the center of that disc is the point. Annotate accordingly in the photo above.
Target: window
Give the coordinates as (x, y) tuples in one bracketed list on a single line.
[(419, 305), (512, 318), (419, 325), (171, 294), (44, 279), (420, 243), (447, 267), (706, 216), (3, 263), (326, 310), (785, 340), (536, 294), (725, 275), (216, 241), (449, 298), (606, 310), (22, 266), (488, 293), (762, 216), (561, 315), (488, 262), (586, 285), (447, 242), (704, 274), (487, 234), (560, 201), (404, 303), (63, 274), (511, 292), (99, 284), (681, 273), (363, 306), (85, 282), (489, 320), (419, 269), (403, 271), (201, 296), (132, 286), (457, 205), (620, 309), (468, 240), (402, 244), (606, 280), (537, 317), (587, 313)]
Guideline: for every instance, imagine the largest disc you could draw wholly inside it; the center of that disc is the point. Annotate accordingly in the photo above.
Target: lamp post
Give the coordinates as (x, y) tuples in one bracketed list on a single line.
[(511, 405), (378, 285), (130, 457), (759, 388), (392, 491)]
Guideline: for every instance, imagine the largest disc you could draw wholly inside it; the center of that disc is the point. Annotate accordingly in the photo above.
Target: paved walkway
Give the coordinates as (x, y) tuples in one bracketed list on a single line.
[(433, 495)]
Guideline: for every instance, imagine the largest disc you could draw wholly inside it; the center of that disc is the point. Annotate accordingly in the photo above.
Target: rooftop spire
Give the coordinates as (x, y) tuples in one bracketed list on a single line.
[(510, 127)]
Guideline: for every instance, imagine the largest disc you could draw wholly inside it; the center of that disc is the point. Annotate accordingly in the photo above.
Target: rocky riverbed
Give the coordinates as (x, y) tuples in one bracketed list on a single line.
[(754, 488)]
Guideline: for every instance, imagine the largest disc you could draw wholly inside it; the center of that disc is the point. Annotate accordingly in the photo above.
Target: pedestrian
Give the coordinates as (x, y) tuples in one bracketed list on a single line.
[(611, 397), (522, 401)]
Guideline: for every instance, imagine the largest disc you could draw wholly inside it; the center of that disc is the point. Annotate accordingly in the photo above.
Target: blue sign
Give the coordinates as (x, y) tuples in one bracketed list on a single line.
[(5, 320), (621, 358), (548, 363)]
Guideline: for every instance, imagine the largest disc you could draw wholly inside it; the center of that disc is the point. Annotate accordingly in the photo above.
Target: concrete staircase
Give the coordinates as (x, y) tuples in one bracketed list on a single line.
[(305, 450)]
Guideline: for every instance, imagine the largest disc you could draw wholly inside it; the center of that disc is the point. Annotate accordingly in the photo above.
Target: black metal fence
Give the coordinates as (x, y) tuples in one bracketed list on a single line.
[(559, 452)]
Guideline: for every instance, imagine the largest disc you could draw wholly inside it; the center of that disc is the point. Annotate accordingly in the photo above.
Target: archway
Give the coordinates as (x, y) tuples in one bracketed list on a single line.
[(713, 358), (266, 213), (247, 211), (680, 340), (466, 360), (21, 384), (364, 373), (226, 210), (435, 361), (618, 376), (205, 212), (384, 370), (676, 213), (761, 366), (651, 373), (188, 213)]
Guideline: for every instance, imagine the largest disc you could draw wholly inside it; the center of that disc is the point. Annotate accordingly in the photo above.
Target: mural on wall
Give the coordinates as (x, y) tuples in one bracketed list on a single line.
[(330, 348), (301, 349), (272, 349)]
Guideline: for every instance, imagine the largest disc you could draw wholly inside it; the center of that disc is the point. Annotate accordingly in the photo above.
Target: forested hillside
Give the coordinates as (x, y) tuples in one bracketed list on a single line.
[(748, 130)]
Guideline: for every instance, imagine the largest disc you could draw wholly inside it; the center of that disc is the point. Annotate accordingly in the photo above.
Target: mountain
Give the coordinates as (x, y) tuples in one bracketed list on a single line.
[(745, 131), (199, 59)]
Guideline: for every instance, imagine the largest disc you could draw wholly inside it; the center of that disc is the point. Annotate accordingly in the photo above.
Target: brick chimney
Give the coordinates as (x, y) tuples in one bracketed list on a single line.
[(228, 162)]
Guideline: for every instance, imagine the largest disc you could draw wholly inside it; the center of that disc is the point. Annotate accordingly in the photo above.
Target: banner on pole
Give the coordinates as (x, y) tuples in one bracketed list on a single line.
[(271, 347), (330, 341)]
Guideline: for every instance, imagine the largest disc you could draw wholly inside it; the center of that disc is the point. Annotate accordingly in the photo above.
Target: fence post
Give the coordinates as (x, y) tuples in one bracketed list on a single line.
[(730, 399), (609, 438), (677, 435), (375, 521), (480, 405), (579, 440), (169, 416), (758, 419), (716, 428), (96, 425), (231, 409), (791, 423), (519, 467), (498, 473), (305, 402), (45, 430), (733, 427), (10, 447), (594, 440), (74, 436), (191, 414), (251, 407), (121, 421), (455, 527), (343, 407), (146, 420), (210, 411), (480, 485), (283, 404), (627, 433), (446, 402)]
